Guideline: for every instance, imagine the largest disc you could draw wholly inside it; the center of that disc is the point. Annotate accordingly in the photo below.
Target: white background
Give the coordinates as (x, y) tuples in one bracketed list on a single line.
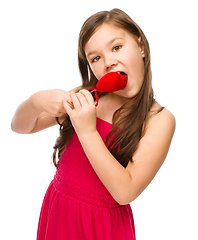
[(38, 50)]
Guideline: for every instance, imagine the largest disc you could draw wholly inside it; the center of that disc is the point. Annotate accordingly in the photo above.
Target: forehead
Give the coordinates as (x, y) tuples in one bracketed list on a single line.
[(104, 34)]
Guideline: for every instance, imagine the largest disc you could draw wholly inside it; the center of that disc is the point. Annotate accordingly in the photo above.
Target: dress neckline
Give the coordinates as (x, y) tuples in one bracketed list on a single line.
[(103, 120)]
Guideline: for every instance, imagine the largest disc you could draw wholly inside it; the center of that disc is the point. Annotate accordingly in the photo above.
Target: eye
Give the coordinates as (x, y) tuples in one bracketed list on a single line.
[(116, 48), (96, 59)]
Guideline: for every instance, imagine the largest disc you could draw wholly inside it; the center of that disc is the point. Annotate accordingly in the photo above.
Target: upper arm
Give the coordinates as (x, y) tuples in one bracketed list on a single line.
[(151, 151)]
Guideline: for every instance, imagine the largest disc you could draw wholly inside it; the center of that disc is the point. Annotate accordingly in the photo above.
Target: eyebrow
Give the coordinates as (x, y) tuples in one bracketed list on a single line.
[(109, 43), (113, 40)]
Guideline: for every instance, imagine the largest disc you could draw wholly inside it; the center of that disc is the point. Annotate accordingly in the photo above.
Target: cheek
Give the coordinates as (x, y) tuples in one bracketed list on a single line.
[(136, 80), (137, 67), (96, 70), (133, 56), (136, 58)]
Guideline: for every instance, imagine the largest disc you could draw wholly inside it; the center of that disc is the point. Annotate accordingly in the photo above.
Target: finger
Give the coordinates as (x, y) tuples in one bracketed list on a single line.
[(71, 105), (67, 96), (82, 99), (67, 106), (75, 100), (87, 95), (68, 99)]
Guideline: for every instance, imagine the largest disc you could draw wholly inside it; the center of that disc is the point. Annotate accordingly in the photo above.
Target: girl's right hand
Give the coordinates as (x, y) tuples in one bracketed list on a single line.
[(51, 101)]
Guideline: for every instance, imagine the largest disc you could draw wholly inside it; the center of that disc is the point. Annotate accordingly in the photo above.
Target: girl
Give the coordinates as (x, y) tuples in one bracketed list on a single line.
[(107, 155)]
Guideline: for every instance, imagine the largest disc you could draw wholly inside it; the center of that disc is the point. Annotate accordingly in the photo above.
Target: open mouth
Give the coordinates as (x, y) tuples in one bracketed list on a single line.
[(123, 73)]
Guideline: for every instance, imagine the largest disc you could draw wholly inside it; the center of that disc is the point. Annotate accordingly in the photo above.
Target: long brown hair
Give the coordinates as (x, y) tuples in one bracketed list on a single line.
[(131, 118)]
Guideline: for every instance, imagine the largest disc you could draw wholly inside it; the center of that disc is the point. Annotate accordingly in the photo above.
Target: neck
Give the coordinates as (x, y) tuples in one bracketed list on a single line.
[(108, 104)]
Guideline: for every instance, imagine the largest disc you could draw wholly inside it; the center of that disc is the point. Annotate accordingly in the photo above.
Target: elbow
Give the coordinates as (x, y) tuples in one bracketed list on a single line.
[(13, 127), (124, 197), (17, 129), (124, 200), (125, 192)]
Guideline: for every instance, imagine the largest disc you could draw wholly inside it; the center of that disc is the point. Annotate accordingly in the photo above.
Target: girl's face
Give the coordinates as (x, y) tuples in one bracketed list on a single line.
[(113, 49)]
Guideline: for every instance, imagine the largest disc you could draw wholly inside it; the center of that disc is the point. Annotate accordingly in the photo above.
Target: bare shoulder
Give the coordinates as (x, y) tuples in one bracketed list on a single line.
[(161, 118)]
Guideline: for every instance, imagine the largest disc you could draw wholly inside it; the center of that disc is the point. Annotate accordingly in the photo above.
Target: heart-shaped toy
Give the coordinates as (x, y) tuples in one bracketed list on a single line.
[(110, 82)]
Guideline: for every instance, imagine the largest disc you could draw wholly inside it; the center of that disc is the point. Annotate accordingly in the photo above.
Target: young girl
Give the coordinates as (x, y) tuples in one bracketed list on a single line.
[(107, 155)]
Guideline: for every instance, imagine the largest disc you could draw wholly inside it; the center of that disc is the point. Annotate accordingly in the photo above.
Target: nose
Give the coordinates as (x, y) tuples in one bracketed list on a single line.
[(110, 63)]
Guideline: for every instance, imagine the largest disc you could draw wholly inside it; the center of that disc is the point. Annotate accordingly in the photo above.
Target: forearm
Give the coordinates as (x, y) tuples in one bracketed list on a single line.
[(25, 117), (113, 175)]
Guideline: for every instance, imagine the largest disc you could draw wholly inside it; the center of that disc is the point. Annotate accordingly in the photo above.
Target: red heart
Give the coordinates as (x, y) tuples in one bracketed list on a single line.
[(110, 82)]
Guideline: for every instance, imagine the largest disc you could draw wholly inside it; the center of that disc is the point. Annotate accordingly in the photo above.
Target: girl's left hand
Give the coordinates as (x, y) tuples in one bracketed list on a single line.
[(83, 112)]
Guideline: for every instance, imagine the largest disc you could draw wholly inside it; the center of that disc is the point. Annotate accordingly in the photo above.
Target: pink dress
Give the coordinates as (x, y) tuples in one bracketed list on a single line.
[(77, 206)]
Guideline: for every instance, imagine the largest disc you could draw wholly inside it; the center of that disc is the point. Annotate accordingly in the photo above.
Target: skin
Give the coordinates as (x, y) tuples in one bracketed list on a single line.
[(113, 49), (109, 49)]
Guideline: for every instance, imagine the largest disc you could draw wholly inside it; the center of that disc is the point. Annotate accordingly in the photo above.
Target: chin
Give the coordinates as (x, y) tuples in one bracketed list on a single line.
[(131, 94)]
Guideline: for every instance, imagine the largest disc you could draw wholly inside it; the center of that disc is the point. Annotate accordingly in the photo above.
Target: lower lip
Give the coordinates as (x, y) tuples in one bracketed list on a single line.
[(123, 88), (126, 84)]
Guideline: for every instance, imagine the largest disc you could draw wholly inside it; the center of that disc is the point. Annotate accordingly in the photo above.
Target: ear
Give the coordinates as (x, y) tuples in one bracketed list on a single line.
[(141, 46)]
